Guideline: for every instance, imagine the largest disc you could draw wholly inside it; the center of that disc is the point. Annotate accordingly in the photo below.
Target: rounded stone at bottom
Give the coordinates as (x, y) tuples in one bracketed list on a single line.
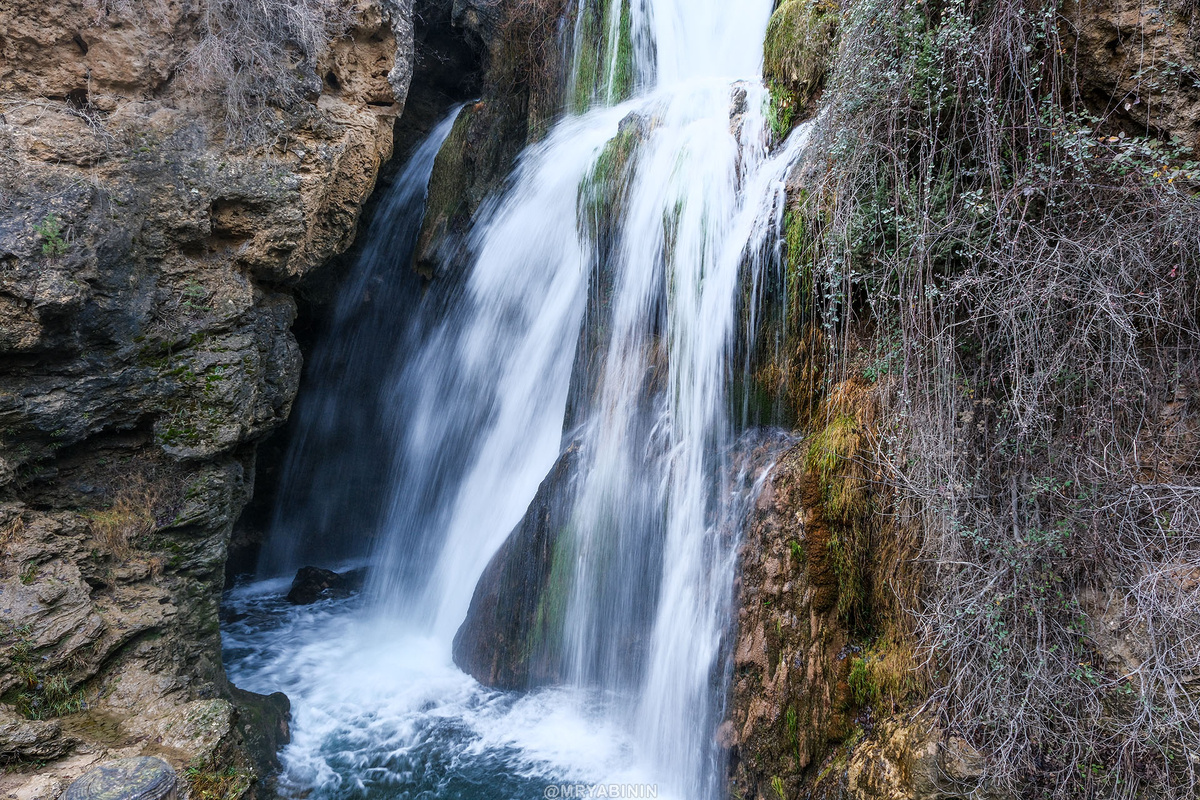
[(142, 778)]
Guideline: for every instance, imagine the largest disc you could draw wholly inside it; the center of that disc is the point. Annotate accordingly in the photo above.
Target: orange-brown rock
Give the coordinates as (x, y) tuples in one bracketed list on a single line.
[(1138, 64)]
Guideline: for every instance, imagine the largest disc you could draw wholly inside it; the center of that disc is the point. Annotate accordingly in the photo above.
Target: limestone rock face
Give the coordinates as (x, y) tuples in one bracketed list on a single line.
[(790, 698), (32, 740), (1138, 63), (148, 260), (910, 759)]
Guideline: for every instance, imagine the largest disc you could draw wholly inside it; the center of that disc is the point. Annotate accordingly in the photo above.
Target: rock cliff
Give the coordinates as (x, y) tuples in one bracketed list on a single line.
[(162, 196), (810, 711), (979, 567)]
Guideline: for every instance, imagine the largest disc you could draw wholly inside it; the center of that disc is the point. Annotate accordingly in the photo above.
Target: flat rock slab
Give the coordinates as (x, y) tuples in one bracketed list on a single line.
[(141, 778)]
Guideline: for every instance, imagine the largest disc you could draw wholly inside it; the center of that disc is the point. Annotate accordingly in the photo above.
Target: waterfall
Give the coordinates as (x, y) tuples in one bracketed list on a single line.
[(337, 463), (630, 236)]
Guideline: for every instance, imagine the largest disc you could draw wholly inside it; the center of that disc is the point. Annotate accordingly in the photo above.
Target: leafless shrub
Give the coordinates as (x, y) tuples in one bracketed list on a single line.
[(526, 56), (256, 55), (1036, 275)]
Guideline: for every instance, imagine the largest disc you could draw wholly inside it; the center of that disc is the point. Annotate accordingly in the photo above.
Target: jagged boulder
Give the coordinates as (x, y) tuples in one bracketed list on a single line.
[(150, 253), (313, 583), (31, 740)]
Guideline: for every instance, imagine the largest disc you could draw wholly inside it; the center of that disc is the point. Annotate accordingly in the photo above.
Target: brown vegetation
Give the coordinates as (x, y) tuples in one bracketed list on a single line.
[(1019, 277), (129, 516), (527, 58), (240, 59)]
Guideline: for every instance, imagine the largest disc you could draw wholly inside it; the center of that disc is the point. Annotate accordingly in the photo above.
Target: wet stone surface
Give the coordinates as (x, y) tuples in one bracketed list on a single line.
[(125, 779)]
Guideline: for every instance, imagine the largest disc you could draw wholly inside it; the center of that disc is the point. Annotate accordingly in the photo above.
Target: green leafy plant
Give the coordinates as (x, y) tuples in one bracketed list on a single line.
[(38, 695), (50, 229)]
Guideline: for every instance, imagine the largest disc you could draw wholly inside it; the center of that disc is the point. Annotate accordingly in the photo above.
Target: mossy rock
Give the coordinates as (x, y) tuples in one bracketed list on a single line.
[(603, 70), (448, 206), (801, 38), (511, 638)]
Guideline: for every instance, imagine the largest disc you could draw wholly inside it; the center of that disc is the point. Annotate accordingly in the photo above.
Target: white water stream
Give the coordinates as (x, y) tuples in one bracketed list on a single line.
[(478, 416)]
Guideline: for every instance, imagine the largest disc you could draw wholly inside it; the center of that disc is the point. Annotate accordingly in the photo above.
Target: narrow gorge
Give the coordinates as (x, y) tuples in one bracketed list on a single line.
[(769, 400)]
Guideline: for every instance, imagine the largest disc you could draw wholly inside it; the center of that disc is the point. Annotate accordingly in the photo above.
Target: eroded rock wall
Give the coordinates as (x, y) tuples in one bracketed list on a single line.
[(789, 697), (523, 74), (148, 259), (804, 719), (847, 679), (1138, 65)]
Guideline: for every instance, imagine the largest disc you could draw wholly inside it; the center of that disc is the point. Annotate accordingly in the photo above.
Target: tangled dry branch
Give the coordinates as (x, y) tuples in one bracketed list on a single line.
[(255, 55), (1033, 274)]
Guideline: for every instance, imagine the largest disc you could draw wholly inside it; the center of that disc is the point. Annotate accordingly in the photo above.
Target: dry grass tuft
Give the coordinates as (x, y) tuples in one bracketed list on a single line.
[(255, 56), (130, 516)]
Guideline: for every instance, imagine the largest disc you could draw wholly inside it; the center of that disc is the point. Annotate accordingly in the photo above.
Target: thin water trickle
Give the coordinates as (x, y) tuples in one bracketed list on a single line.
[(476, 413), (338, 463)]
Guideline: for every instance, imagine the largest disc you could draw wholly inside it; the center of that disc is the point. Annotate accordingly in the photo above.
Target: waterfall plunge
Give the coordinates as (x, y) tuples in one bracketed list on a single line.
[(478, 415)]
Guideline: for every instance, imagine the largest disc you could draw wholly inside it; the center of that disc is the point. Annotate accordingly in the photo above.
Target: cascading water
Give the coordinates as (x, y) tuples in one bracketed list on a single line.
[(336, 465), (635, 229)]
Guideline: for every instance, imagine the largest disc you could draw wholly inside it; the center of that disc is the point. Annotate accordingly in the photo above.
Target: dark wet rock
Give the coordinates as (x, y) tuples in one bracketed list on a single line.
[(144, 778), (313, 583), (510, 638), (264, 722), (520, 97), (789, 645)]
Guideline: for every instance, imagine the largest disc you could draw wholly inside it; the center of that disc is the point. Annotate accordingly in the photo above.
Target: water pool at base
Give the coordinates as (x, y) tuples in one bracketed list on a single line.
[(376, 713)]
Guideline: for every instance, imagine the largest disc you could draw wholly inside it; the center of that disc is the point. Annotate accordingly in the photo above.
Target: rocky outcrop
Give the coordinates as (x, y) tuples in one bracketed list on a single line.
[(801, 38), (30, 740), (789, 696), (804, 714), (1137, 65), (521, 94), (148, 256)]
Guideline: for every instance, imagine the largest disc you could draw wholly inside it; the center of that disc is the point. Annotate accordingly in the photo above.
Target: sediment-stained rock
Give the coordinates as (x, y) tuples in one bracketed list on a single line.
[(789, 697), (1137, 65)]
